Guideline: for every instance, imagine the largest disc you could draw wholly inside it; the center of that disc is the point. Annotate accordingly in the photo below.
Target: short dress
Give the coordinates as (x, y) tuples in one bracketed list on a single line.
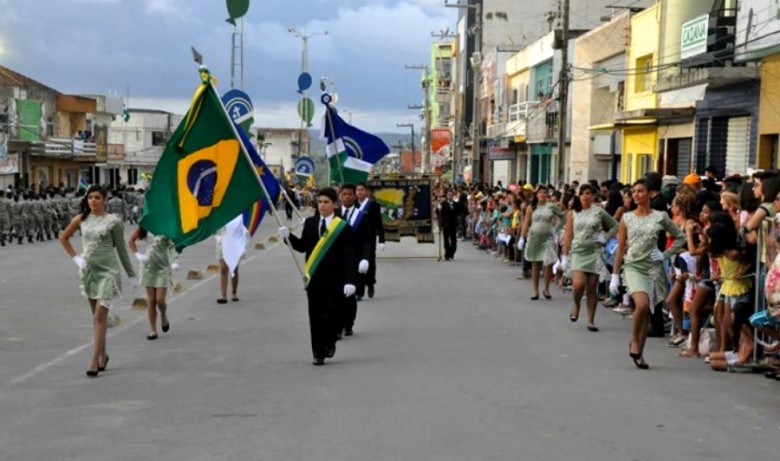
[(540, 245), (585, 251), (640, 273), (102, 240), (156, 273)]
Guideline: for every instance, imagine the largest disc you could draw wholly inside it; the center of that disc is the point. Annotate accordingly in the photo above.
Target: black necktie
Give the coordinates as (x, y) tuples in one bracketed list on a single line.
[(348, 213), (323, 228)]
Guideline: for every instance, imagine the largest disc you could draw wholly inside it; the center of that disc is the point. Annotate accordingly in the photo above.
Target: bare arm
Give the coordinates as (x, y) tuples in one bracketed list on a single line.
[(73, 226), (621, 235), (133, 238), (756, 219), (568, 233)]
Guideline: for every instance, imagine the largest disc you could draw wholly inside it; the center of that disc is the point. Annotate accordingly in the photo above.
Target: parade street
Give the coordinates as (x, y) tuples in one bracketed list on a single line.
[(441, 367)]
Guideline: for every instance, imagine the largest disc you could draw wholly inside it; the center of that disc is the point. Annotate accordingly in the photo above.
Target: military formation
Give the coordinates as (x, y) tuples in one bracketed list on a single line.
[(29, 217)]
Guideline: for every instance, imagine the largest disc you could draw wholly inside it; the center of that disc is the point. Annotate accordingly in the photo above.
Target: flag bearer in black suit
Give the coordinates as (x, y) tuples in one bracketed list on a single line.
[(330, 269), (373, 213), (449, 210), (361, 246)]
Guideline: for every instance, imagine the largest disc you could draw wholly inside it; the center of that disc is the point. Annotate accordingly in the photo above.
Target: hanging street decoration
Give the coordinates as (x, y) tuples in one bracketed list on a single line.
[(236, 9), (304, 82), (306, 110)]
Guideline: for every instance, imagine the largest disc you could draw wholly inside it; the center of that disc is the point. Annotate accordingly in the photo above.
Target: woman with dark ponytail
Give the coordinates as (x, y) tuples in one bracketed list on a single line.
[(102, 242)]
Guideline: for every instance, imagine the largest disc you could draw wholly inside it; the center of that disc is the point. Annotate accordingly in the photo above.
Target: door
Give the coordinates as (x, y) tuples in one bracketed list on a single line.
[(737, 145)]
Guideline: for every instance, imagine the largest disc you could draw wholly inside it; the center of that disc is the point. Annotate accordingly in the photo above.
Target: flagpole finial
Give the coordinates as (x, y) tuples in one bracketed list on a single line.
[(205, 75), (326, 99)]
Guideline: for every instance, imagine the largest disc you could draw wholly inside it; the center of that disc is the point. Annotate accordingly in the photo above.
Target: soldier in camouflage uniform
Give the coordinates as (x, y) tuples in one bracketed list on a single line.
[(27, 216), (36, 210), (130, 198), (49, 216), (116, 205), (5, 218), (61, 202), (74, 204), (18, 219)]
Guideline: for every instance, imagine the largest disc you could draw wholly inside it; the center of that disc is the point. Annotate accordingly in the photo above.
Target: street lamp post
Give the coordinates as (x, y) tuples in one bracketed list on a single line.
[(476, 57), (304, 68)]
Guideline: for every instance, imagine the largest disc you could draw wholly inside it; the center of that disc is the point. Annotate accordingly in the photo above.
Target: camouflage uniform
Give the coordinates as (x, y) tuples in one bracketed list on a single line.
[(74, 206), (17, 219), (27, 219), (37, 218), (118, 207), (49, 217), (5, 218), (61, 203), (130, 198)]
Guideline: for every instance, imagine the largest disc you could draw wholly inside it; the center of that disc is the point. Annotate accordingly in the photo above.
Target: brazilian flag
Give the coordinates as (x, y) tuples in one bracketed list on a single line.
[(204, 179)]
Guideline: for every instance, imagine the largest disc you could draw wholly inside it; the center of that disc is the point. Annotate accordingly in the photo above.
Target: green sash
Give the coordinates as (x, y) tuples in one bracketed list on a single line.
[(323, 245)]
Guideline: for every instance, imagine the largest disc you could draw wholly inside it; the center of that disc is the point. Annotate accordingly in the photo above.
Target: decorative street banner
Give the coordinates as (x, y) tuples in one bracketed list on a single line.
[(239, 107), (406, 206), (3, 145), (101, 143), (9, 164), (29, 117)]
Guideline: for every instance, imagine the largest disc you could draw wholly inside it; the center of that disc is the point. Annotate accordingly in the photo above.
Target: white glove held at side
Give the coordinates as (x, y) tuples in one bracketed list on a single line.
[(349, 290), (284, 232), (564, 263), (521, 243), (380, 246), (175, 266), (80, 262), (614, 284), (363, 266), (657, 255), (142, 258)]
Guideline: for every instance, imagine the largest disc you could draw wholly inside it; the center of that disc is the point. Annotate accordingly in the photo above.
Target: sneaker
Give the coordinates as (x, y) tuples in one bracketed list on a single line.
[(623, 310)]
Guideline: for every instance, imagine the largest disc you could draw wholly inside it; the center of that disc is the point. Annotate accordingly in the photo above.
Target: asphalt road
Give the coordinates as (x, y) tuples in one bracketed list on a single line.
[(451, 361)]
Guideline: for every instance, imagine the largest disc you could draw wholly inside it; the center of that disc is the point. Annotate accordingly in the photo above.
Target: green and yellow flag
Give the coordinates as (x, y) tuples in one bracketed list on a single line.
[(203, 179)]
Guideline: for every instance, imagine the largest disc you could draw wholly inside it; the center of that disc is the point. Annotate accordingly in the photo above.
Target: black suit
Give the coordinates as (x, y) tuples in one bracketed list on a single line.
[(448, 221), (361, 244), (325, 291), (375, 229)]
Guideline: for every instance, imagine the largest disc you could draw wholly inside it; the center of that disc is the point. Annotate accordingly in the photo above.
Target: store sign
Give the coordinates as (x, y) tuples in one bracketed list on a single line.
[(694, 37), (498, 152)]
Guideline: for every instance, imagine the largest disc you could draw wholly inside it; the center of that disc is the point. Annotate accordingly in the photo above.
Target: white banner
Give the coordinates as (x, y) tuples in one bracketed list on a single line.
[(9, 164), (3, 145)]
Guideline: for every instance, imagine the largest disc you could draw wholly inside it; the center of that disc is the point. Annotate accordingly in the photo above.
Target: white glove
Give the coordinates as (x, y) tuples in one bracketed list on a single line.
[(363, 266), (80, 262), (600, 239), (142, 258), (521, 243), (614, 284), (557, 266), (218, 238), (380, 247), (284, 232), (175, 266), (657, 255), (564, 263), (349, 290)]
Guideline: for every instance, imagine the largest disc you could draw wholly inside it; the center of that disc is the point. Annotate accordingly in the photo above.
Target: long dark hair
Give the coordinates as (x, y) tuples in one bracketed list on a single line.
[(84, 206), (535, 199), (576, 204), (722, 234)]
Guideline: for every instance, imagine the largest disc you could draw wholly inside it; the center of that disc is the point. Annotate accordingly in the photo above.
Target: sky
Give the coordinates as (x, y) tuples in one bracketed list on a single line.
[(142, 47)]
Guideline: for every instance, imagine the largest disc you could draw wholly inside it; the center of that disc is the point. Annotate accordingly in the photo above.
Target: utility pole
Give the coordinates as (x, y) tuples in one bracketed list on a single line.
[(476, 56), (563, 93), (408, 125), (426, 84), (304, 36)]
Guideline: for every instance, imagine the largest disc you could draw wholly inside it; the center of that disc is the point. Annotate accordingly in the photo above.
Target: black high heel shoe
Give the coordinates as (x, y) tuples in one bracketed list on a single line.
[(103, 368), (547, 295), (92, 373), (637, 358), (534, 298)]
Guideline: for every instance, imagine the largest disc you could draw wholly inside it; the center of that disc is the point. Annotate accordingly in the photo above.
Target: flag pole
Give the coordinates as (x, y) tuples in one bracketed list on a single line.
[(259, 180), (329, 121)]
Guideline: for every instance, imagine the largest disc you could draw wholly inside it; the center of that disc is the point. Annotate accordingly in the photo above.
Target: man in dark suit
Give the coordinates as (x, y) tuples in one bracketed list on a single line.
[(361, 245), (449, 210), (332, 279), (373, 213)]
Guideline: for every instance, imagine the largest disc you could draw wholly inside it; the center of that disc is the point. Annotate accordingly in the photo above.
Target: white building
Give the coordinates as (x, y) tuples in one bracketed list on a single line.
[(135, 145)]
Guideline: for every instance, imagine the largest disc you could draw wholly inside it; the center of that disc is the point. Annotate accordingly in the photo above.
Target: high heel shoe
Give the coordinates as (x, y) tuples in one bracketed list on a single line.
[(105, 364), (534, 298), (92, 373), (637, 358), (573, 317), (547, 295)]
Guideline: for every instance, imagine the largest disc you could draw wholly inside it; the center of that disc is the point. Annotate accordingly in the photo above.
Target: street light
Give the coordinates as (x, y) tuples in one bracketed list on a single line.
[(305, 38), (476, 61)]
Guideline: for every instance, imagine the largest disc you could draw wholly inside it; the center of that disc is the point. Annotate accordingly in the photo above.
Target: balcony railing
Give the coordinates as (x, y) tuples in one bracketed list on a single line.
[(64, 148), (521, 110)]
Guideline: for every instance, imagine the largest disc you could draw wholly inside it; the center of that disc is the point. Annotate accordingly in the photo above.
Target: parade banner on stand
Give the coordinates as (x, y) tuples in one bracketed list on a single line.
[(406, 206), (9, 164)]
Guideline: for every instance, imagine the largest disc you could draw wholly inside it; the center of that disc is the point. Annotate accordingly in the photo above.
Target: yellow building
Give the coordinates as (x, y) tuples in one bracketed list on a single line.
[(638, 123), (769, 116)]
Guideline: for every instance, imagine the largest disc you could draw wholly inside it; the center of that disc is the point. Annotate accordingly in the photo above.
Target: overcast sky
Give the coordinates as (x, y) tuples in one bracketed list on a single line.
[(103, 46)]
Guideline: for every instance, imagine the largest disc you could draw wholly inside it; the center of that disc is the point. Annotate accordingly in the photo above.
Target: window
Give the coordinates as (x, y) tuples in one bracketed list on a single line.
[(158, 138), (644, 68), (132, 176)]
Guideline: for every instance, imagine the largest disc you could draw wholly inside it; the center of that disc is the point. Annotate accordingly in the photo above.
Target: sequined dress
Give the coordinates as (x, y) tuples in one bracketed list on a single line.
[(157, 271), (102, 240), (640, 272), (585, 251), (540, 246)]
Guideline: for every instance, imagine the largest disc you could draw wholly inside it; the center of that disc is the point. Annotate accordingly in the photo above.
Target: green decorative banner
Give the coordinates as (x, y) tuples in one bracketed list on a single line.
[(29, 119)]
